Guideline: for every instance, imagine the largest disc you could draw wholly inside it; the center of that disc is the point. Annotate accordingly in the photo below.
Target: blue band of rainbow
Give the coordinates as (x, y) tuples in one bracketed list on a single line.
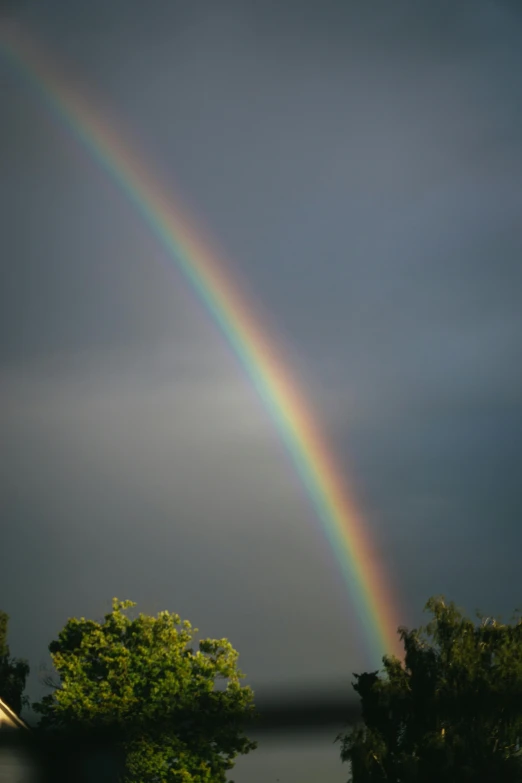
[(364, 576)]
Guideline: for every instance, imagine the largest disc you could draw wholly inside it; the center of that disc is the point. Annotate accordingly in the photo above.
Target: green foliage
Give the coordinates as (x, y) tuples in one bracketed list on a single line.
[(452, 710), (141, 674), (13, 672)]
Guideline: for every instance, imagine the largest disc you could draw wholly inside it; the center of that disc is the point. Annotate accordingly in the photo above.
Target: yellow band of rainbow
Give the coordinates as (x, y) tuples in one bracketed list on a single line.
[(368, 588)]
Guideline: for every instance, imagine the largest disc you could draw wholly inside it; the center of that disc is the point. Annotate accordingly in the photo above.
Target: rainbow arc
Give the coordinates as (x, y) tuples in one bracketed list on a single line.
[(368, 587)]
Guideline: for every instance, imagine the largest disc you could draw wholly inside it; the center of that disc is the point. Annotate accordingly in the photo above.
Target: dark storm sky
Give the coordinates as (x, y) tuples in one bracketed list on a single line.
[(360, 165)]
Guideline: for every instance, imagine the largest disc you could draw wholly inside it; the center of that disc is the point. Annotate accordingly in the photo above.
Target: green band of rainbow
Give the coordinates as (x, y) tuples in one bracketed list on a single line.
[(315, 465)]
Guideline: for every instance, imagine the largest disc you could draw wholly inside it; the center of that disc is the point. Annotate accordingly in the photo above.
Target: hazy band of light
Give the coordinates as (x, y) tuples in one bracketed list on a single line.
[(364, 576)]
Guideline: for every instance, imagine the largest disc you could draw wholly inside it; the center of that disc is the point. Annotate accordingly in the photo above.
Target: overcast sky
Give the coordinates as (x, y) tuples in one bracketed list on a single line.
[(361, 170)]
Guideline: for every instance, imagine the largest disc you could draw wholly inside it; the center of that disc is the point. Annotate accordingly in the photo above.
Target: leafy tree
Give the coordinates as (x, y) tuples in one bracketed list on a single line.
[(451, 711), (13, 672), (141, 675)]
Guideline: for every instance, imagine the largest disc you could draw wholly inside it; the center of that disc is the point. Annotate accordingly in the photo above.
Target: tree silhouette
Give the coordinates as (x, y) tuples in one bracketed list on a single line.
[(13, 672), (451, 711)]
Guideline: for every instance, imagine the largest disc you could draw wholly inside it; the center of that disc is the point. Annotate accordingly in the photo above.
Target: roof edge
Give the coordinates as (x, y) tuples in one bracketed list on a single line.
[(13, 716)]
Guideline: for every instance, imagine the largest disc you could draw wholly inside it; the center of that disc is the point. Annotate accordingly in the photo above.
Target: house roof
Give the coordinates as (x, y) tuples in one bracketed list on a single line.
[(10, 719)]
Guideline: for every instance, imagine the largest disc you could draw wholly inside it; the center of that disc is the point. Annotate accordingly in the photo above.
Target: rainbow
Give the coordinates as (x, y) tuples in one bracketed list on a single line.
[(364, 576)]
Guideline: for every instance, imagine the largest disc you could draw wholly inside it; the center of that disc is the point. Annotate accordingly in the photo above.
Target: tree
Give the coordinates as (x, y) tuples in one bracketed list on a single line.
[(452, 710), (13, 672), (141, 675)]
